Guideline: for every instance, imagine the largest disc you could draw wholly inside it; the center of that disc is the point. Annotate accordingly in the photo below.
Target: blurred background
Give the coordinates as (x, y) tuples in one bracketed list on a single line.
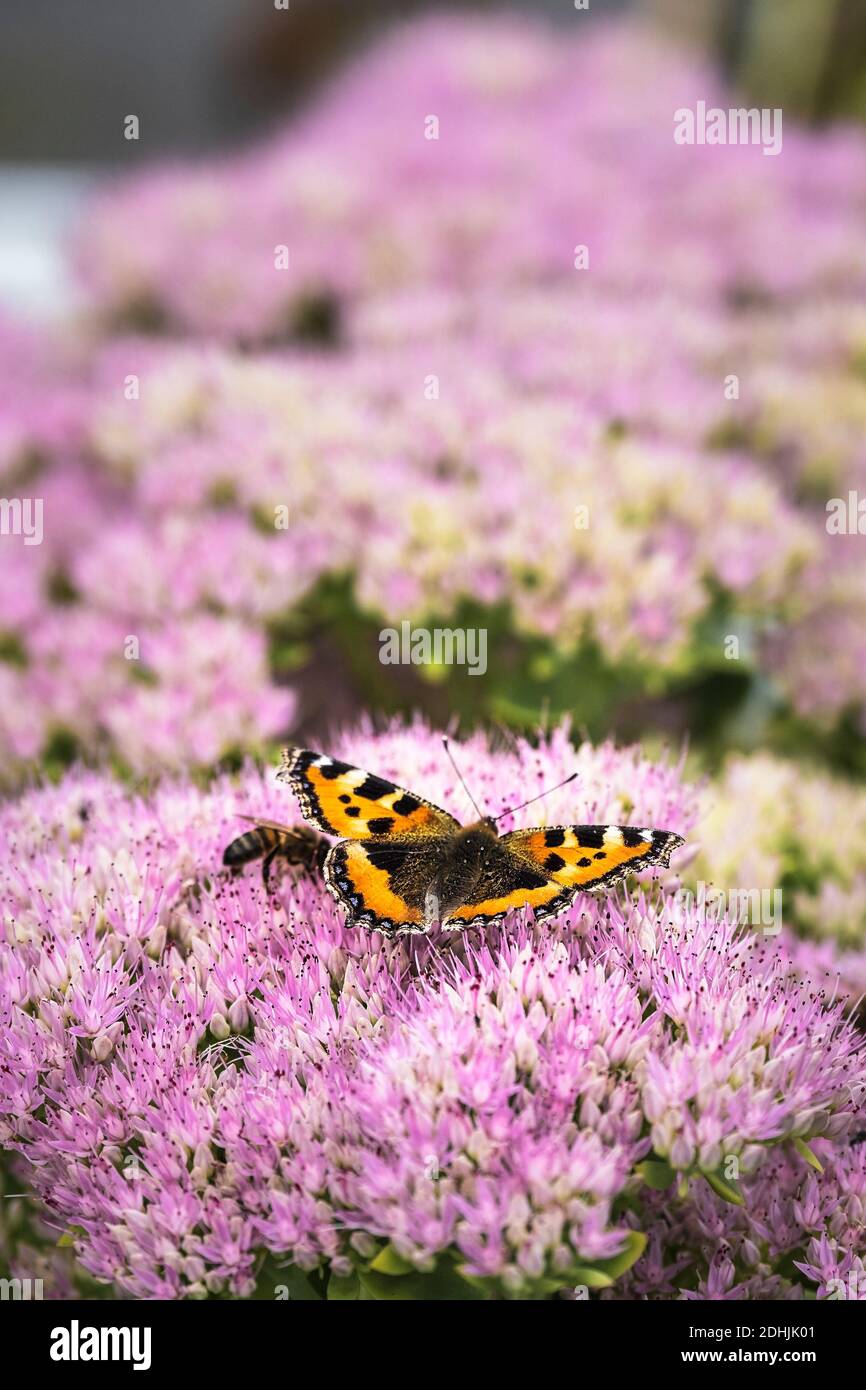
[(209, 74)]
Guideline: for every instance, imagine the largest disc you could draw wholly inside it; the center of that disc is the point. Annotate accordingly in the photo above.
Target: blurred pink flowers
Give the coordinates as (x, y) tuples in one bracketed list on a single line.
[(635, 455), (494, 146)]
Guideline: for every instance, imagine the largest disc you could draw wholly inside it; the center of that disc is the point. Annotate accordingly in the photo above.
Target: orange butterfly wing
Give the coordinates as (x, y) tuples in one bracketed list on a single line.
[(382, 884), (343, 800), (591, 857)]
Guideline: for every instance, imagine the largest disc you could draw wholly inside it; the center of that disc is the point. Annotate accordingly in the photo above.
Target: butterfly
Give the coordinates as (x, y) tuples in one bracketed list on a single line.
[(404, 865)]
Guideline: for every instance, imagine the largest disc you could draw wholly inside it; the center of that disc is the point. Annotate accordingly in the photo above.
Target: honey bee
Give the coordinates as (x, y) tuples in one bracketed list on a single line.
[(298, 845)]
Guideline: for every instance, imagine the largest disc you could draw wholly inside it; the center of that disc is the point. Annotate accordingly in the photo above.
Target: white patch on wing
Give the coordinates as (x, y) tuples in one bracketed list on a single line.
[(613, 835)]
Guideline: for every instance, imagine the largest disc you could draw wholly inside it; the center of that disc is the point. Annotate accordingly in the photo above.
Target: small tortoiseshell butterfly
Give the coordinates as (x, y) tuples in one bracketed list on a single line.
[(404, 865)]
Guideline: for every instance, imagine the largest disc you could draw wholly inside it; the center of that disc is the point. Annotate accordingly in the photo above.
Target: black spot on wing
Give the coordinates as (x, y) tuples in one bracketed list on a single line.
[(526, 878), (353, 810), (631, 837), (553, 863), (389, 857), (555, 837), (334, 769), (380, 825), (405, 805), (590, 836), (374, 788)]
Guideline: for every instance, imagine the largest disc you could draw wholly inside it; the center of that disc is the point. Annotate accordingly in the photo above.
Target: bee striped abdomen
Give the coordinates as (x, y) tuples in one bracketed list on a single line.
[(253, 844)]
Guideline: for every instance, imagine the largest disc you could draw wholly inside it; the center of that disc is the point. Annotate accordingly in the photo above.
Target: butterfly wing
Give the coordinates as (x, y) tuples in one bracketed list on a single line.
[(382, 884), (591, 857), (546, 868), (343, 800)]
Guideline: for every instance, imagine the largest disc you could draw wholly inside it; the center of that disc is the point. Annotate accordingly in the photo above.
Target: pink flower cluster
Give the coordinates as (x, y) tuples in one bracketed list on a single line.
[(117, 638), (202, 509), (797, 1220), (199, 1076)]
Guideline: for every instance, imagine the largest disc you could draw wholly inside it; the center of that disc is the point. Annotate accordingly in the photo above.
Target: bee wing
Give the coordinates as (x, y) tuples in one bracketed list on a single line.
[(272, 825)]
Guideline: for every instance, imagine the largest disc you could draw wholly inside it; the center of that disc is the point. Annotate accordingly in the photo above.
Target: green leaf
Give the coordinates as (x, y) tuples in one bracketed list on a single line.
[(600, 1274), (448, 1283), (805, 1152), (634, 1247), (71, 1236), (656, 1173), (726, 1188), (479, 1285), (589, 1275), (389, 1262), (388, 1288), (278, 1282), (346, 1290), (443, 1284)]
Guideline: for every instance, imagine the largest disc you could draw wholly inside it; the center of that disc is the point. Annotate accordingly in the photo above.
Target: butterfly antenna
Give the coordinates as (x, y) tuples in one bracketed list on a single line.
[(512, 809), (447, 747)]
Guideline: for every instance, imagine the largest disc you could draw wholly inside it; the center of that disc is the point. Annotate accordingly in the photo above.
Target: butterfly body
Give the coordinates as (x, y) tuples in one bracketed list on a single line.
[(464, 860), (405, 865), (444, 876)]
